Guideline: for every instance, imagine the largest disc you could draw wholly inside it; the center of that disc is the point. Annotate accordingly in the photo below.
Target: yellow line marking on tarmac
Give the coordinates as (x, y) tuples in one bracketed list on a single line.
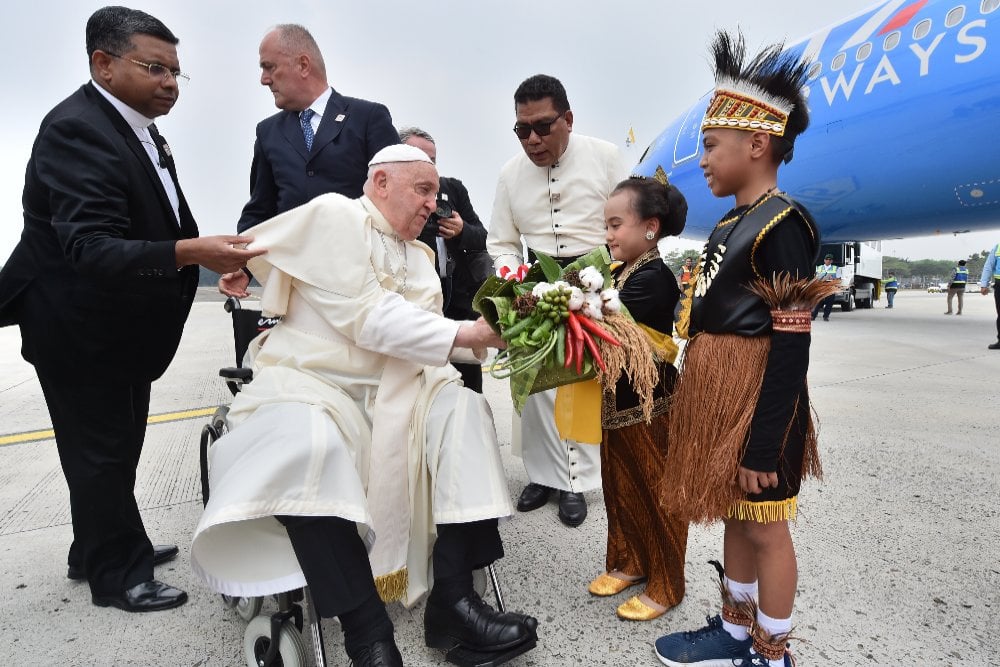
[(48, 434)]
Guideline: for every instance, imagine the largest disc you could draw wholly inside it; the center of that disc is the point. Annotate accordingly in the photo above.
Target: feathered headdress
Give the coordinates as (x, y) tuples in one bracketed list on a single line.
[(764, 95)]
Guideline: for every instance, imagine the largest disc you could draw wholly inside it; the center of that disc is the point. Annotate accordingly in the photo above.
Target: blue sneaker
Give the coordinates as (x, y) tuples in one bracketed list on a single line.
[(710, 646)]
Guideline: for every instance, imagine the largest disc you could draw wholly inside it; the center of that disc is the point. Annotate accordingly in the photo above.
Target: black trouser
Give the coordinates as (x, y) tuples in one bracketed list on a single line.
[(99, 434), (827, 306), (472, 375), (335, 563), (996, 299)]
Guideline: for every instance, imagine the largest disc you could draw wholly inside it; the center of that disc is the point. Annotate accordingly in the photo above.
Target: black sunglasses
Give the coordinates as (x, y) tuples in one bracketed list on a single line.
[(542, 128)]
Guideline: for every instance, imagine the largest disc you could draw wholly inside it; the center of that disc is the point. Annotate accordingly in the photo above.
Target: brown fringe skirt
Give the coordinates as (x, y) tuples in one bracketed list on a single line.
[(708, 422), (643, 538)]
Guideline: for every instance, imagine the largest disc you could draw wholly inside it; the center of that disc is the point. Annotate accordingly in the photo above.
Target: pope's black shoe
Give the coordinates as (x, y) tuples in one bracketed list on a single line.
[(378, 654), (161, 554), (572, 508), (150, 595), (472, 623), (532, 497), (994, 346)]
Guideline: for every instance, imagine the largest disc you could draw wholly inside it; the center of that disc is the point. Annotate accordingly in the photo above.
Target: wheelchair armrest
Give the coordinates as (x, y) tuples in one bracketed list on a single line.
[(242, 374)]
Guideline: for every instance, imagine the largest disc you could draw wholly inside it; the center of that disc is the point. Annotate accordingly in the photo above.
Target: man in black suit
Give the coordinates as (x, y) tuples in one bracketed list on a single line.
[(459, 244), (320, 141), (101, 283)]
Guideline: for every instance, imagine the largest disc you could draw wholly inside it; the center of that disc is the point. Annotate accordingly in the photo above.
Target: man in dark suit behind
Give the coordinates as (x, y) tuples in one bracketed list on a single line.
[(459, 244), (101, 283), (320, 141)]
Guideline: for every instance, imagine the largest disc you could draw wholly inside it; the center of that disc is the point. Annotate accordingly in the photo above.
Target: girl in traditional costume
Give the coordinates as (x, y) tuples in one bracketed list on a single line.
[(645, 543)]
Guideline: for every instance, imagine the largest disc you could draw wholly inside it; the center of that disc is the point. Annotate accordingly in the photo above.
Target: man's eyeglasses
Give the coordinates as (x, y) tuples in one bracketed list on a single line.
[(156, 69), (542, 128)]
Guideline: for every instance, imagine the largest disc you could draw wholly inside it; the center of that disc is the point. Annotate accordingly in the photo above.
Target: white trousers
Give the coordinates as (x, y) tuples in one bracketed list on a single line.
[(548, 459)]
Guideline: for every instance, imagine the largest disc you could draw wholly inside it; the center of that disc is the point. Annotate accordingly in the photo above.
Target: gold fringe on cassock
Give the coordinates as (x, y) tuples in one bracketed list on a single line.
[(392, 586)]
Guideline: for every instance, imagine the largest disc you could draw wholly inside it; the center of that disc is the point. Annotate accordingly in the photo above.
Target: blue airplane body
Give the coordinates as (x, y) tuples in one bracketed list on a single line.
[(904, 136)]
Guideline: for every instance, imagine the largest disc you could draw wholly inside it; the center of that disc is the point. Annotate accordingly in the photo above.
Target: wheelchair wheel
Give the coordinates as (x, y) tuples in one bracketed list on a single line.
[(257, 639), (229, 601), (248, 608)]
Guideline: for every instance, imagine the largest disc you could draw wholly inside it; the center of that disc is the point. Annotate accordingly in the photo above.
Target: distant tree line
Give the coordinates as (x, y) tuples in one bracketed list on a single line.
[(921, 272)]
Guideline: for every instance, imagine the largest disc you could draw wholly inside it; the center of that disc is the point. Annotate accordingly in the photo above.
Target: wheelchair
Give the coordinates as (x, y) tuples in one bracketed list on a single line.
[(276, 640)]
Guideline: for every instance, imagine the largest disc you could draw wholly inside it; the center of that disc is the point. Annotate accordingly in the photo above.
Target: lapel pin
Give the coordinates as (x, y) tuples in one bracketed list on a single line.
[(340, 117)]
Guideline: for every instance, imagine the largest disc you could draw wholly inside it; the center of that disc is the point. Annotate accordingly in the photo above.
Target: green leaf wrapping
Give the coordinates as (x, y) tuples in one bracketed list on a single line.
[(495, 300)]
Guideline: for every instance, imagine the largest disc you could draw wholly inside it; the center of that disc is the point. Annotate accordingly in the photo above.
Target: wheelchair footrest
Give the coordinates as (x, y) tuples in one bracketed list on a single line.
[(466, 657)]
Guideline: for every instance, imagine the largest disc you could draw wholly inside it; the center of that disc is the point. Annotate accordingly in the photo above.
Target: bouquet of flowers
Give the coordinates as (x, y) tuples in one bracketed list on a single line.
[(561, 325)]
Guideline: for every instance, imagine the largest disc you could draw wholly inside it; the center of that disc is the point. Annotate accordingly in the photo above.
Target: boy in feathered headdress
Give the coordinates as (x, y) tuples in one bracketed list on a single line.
[(740, 427)]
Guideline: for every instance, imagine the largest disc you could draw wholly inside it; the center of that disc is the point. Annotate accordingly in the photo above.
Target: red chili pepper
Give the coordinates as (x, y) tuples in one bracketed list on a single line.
[(574, 326), (599, 331), (592, 346), (504, 271), (569, 347)]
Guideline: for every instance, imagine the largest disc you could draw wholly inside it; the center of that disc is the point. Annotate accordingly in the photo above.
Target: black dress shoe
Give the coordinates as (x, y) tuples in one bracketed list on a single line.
[(532, 497), (150, 595), (572, 508), (994, 346), (472, 623), (378, 654), (161, 554)]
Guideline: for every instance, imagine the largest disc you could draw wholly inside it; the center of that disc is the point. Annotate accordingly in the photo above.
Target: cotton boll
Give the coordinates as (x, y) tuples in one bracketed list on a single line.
[(592, 279), (592, 307), (576, 298)]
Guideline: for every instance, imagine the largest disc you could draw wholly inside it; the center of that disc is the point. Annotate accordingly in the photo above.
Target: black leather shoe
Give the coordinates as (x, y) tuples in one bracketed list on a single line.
[(472, 623), (161, 554), (150, 595), (572, 508), (994, 346), (532, 497), (378, 654)]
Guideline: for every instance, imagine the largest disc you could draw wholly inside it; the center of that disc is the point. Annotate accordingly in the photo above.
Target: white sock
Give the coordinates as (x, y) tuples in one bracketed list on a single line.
[(774, 626), (740, 592)]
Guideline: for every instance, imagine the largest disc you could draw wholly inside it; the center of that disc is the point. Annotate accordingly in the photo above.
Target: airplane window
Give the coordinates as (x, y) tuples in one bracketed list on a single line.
[(892, 40), (954, 17), (814, 70), (838, 61), (989, 6), (864, 51), (921, 29)]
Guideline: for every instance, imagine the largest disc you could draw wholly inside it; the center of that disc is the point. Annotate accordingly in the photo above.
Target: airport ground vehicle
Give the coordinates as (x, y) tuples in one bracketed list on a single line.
[(860, 270)]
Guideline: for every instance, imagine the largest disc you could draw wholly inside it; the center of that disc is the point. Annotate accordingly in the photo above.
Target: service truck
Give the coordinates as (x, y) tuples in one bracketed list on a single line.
[(860, 270)]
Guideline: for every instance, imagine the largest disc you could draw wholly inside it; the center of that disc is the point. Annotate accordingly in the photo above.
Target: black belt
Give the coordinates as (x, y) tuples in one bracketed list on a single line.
[(562, 261)]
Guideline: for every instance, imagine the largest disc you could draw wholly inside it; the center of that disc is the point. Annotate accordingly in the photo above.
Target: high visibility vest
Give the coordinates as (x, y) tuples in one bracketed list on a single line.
[(824, 272), (961, 276), (685, 275), (996, 264), (892, 284)]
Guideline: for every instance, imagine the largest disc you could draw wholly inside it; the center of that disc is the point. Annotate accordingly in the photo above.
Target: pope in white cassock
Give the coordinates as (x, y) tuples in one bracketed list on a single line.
[(356, 464)]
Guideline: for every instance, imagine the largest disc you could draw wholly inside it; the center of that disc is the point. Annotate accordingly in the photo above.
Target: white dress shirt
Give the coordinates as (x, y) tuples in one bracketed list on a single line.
[(140, 125), (559, 210)]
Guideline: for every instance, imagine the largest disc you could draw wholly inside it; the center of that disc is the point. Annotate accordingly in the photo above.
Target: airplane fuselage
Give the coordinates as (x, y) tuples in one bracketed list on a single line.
[(904, 138)]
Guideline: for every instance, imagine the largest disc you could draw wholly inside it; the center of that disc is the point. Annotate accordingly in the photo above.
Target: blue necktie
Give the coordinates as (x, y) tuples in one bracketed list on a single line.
[(305, 120)]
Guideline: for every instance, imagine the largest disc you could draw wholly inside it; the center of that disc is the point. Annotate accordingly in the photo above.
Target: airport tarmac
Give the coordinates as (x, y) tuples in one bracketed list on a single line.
[(895, 562)]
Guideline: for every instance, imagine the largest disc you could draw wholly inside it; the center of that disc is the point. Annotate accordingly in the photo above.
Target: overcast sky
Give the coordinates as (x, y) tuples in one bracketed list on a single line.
[(449, 66)]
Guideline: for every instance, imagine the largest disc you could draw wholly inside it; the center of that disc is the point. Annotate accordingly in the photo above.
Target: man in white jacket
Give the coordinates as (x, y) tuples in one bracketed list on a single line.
[(552, 195), (354, 434)]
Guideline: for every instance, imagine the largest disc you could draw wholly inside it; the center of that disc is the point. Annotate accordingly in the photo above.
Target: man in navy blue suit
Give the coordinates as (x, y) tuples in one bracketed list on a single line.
[(320, 141)]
